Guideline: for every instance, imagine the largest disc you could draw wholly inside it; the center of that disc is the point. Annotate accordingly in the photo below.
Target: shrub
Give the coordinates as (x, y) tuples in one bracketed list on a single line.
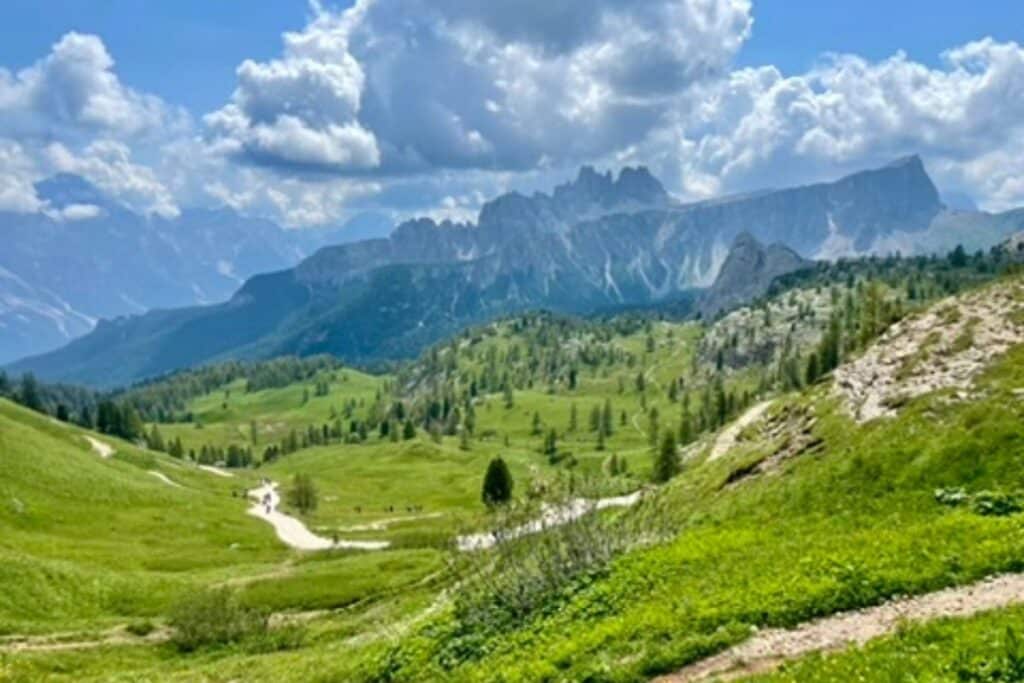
[(302, 495), (213, 617)]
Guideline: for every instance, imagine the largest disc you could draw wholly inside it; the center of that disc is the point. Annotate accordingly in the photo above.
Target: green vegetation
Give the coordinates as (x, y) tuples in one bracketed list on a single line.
[(497, 487), (808, 514), (983, 649)]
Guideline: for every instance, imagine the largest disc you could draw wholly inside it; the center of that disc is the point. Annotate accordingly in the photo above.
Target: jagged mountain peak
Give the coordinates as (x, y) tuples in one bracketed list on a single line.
[(748, 270)]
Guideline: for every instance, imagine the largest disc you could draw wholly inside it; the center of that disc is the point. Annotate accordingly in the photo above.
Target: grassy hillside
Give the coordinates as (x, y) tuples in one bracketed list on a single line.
[(806, 512)]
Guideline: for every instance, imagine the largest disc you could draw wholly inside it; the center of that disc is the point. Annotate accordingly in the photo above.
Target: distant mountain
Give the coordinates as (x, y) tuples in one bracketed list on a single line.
[(747, 273), (599, 241), (87, 257)]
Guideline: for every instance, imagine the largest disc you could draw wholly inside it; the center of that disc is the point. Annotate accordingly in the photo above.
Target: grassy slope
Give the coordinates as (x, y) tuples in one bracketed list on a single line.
[(385, 479), (89, 543), (847, 527)]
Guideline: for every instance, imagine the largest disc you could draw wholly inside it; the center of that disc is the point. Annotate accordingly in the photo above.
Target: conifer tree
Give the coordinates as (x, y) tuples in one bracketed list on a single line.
[(497, 487), (666, 461)]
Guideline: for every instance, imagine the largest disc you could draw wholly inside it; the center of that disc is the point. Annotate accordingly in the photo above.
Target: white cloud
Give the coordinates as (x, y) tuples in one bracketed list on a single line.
[(415, 85), (74, 91), (74, 212), (760, 128), (108, 165), (426, 104), (301, 110), (17, 172)]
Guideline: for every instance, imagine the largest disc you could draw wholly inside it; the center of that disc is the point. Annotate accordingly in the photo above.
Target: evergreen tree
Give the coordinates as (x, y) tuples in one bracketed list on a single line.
[(813, 371), (536, 425), (607, 418), (28, 394), (409, 430), (497, 487), (666, 462), (551, 445)]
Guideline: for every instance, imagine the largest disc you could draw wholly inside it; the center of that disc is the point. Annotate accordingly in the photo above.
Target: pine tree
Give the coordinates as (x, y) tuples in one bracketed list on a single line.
[(574, 418), (551, 445), (409, 430), (666, 462), (607, 418), (28, 394), (497, 487), (537, 425), (813, 371)]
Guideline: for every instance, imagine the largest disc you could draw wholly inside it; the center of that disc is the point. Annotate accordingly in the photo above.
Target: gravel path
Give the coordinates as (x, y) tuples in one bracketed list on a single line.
[(216, 470), (163, 477), (550, 517), (727, 439), (104, 450), (292, 531), (768, 649)]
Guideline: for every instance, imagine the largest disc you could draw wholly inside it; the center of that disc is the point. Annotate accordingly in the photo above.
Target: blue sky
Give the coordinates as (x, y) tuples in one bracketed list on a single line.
[(429, 106)]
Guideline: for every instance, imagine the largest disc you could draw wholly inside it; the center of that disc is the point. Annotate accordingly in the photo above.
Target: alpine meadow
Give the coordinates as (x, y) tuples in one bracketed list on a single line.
[(402, 341)]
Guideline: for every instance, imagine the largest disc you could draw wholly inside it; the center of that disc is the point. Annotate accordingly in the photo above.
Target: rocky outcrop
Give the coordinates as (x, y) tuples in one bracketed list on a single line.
[(748, 271), (944, 348)]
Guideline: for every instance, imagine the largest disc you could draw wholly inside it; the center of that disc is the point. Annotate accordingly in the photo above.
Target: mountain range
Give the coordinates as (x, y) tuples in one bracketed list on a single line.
[(597, 242), (87, 257)]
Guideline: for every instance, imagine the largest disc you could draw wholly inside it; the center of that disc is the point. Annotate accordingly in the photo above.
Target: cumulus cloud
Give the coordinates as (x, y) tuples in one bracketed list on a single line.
[(108, 165), (758, 126), (17, 171), (74, 91), (428, 106), (408, 85)]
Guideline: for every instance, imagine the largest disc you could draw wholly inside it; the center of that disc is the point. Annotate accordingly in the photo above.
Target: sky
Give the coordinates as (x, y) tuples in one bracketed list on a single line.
[(310, 112)]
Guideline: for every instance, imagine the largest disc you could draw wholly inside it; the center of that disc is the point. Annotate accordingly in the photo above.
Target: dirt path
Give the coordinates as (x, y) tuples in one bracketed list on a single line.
[(163, 477), (292, 531), (215, 470), (769, 649), (104, 450), (727, 439), (550, 517), (62, 642)]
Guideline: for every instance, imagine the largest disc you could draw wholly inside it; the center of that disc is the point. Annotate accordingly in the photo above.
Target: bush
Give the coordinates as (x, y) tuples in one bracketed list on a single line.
[(303, 495), (213, 617)]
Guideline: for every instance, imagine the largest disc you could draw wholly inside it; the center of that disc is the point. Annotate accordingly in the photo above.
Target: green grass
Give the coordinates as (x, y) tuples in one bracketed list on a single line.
[(847, 525), (983, 649)]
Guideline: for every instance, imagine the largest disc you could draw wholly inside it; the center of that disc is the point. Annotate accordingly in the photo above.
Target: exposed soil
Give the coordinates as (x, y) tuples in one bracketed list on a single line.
[(768, 649)]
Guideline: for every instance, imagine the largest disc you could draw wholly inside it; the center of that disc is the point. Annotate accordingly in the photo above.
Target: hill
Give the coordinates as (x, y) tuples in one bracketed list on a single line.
[(784, 490)]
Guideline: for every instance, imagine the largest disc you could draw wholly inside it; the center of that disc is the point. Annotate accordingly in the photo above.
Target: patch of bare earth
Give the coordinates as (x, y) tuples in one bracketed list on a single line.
[(729, 437), (790, 432), (769, 649), (943, 348)]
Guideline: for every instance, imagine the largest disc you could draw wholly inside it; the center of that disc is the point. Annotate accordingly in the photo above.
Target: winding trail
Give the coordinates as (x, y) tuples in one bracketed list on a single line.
[(769, 649), (163, 477), (551, 516), (102, 449), (293, 532), (216, 470), (727, 438)]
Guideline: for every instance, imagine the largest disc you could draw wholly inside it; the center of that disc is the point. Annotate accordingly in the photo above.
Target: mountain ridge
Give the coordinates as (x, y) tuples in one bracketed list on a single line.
[(570, 251)]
